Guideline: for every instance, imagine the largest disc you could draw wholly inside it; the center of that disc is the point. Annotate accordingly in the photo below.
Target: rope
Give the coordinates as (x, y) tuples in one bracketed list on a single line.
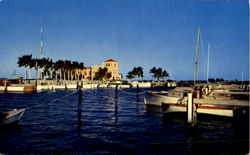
[(56, 99), (132, 93)]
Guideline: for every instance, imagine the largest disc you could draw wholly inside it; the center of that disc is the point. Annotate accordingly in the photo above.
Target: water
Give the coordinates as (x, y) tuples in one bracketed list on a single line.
[(106, 122)]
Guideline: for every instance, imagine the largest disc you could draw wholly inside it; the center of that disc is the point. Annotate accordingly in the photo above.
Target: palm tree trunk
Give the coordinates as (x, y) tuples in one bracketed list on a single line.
[(64, 75), (75, 75), (51, 73), (25, 73), (68, 74), (78, 74), (41, 74), (71, 76), (29, 73), (60, 74), (36, 73)]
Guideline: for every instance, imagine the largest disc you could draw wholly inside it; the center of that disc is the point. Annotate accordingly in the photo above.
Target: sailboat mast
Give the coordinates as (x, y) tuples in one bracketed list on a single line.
[(208, 61), (41, 40), (196, 56)]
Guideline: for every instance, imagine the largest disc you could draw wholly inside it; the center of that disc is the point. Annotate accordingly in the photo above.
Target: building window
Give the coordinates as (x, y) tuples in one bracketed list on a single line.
[(107, 64)]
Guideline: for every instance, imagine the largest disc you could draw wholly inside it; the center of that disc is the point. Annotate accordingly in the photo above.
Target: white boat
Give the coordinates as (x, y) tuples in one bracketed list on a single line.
[(10, 117), (175, 102), (157, 98), (140, 84), (119, 84)]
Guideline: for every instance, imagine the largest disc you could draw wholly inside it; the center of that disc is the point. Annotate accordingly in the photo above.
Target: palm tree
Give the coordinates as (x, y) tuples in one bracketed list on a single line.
[(49, 67), (60, 66), (136, 72), (41, 64), (139, 71), (102, 74), (75, 65), (67, 67), (81, 66), (24, 62), (159, 73), (130, 75), (36, 66)]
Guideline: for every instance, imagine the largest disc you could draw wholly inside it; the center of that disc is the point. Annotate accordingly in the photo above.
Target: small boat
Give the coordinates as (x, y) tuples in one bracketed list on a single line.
[(11, 116)]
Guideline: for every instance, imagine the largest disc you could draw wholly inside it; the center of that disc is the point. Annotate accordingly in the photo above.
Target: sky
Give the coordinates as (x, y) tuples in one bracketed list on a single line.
[(146, 33)]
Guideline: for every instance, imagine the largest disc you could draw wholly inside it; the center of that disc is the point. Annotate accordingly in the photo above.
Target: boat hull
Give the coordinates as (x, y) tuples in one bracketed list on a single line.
[(158, 99), (172, 104), (12, 116), (204, 109)]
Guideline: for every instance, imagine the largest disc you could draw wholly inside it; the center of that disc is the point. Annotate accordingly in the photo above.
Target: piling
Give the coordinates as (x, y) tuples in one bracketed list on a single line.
[(137, 93), (5, 86), (191, 111), (206, 91), (79, 96), (79, 113)]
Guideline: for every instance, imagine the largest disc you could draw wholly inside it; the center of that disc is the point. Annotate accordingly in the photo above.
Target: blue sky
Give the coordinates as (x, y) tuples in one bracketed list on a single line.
[(147, 33)]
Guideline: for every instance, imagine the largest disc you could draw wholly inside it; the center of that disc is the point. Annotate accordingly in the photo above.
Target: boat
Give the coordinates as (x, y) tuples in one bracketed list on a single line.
[(140, 84), (11, 116), (119, 84), (176, 100)]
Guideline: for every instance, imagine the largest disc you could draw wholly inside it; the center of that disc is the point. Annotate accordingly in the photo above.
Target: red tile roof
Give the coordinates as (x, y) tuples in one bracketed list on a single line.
[(110, 60)]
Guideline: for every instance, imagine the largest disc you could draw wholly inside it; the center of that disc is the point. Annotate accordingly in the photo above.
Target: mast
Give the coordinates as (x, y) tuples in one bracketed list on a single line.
[(41, 41), (208, 61), (41, 47), (196, 56)]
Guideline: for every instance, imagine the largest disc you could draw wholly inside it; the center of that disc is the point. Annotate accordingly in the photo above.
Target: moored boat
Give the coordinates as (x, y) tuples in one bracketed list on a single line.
[(10, 117), (176, 102)]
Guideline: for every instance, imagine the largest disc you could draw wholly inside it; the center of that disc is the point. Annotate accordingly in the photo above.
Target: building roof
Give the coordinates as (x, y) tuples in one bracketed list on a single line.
[(110, 60)]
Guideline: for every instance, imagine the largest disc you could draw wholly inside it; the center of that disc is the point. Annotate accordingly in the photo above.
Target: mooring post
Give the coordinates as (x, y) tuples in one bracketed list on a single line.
[(65, 84), (137, 93), (190, 108), (206, 91), (116, 89), (5, 86), (191, 111), (79, 96)]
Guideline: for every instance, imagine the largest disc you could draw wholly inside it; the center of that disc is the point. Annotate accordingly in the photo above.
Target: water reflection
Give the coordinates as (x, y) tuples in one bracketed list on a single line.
[(116, 103), (79, 112)]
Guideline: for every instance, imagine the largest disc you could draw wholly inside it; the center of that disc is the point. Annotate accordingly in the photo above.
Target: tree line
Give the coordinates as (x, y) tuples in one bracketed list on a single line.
[(137, 72), (68, 70)]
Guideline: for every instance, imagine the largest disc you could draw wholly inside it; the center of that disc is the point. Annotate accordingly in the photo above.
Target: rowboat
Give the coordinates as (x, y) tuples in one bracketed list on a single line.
[(11, 116)]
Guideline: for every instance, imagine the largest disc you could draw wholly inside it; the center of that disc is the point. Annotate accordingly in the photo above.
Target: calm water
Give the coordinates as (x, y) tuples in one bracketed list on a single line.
[(107, 122)]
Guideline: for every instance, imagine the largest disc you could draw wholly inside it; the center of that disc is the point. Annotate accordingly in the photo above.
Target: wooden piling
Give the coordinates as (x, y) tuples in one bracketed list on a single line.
[(5, 86), (189, 107), (191, 111)]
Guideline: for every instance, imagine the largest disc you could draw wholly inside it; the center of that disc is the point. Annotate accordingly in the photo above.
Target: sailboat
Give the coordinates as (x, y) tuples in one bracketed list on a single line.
[(176, 100)]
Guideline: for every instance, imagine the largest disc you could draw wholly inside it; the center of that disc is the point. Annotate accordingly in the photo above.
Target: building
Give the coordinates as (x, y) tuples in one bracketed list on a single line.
[(112, 66)]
